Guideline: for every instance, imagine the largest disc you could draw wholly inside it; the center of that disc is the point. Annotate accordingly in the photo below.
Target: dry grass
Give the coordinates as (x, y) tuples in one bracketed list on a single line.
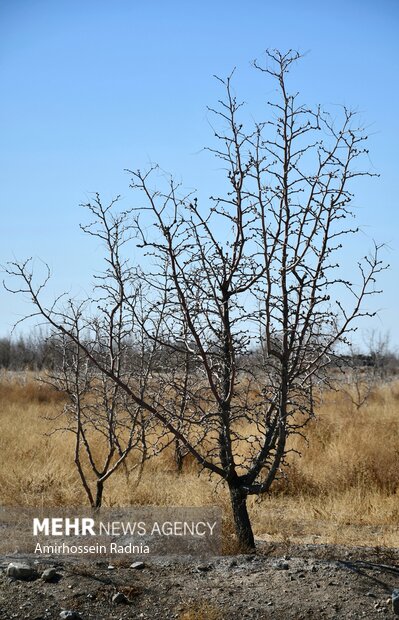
[(344, 489), (201, 611)]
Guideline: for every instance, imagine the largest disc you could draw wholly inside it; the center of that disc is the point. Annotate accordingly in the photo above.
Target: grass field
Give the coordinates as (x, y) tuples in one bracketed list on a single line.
[(344, 489)]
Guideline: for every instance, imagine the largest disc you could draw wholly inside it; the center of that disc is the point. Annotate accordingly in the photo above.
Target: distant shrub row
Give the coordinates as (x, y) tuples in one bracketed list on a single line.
[(28, 353), (39, 352)]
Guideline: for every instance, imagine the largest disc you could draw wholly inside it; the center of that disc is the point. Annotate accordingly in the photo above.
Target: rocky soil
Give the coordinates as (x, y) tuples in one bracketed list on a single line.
[(280, 582)]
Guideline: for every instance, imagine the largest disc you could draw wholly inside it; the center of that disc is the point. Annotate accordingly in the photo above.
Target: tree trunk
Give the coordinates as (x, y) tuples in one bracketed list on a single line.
[(178, 456), (99, 494), (241, 520)]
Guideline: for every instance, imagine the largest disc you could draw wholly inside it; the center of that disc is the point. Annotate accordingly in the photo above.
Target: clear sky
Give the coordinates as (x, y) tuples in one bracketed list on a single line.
[(91, 87)]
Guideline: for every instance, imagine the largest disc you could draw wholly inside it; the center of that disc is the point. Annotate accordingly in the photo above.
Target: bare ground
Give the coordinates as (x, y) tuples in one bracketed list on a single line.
[(280, 582)]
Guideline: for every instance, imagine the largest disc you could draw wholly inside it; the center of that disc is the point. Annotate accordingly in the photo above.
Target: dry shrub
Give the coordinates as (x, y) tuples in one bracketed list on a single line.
[(25, 390)]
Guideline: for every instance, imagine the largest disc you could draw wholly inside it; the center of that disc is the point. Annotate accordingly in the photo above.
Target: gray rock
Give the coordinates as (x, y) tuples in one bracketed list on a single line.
[(204, 568), (49, 574), (119, 598), (281, 565), (395, 602), (137, 565), (19, 570), (67, 614)]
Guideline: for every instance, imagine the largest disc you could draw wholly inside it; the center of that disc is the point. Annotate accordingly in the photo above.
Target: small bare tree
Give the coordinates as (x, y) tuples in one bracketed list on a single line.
[(363, 371), (257, 270), (105, 427), (99, 349)]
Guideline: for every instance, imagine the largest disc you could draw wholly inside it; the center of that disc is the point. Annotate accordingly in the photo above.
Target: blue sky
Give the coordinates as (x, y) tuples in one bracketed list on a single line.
[(90, 88)]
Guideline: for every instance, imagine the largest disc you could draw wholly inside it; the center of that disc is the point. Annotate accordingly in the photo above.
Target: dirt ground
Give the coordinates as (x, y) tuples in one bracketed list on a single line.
[(280, 582)]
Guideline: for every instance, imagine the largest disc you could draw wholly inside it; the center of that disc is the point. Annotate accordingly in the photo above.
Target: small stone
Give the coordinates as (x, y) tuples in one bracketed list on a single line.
[(119, 598), (111, 567), (67, 614), (395, 602), (281, 565), (18, 570), (204, 568), (371, 595), (49, 574), (137, 565)]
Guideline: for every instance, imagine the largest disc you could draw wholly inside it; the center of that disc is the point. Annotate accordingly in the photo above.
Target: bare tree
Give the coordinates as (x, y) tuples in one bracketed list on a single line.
[(363, 370), (258, 269), (98, 350), (105, 426)]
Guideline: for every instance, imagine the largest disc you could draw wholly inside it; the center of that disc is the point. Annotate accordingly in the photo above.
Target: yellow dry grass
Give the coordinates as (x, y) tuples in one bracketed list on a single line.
[(201, 611), (344, 489)]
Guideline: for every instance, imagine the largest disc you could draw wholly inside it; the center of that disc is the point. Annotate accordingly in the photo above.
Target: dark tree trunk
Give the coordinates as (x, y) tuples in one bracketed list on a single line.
[(99, 494), (179, 456), (241, 520)]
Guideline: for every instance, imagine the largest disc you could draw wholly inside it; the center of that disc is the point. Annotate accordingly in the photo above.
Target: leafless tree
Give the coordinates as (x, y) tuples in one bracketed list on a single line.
[(256, 270), (363, 370), (98, 349), (105, 427)]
